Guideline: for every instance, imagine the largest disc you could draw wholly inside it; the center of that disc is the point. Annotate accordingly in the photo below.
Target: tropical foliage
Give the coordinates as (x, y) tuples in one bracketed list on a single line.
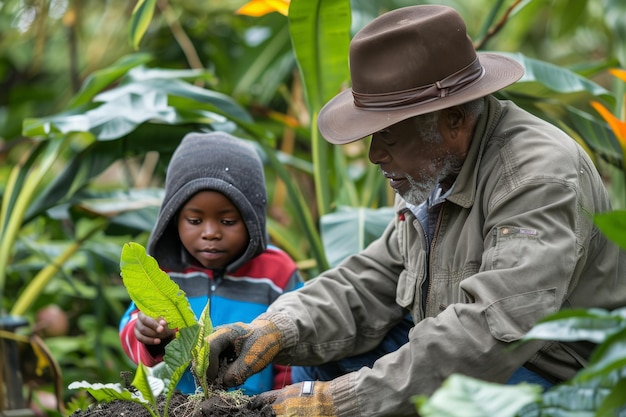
[(96, 95)]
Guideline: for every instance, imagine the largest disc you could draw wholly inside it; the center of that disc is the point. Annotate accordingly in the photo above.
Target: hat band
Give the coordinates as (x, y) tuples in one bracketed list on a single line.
[(447, 86)]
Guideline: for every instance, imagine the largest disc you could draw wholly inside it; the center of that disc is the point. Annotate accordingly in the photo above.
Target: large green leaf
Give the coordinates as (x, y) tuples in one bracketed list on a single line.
[(68, 186), (594, 325), (543, 79), (462, 396), (613, 225), (568, 401), (109, 392), (349, 230), (178, 356), (606, 358), (614, 401), (152, 290), (596, 134), (135, 209), (102, 78), (320, 32), (143, 96)]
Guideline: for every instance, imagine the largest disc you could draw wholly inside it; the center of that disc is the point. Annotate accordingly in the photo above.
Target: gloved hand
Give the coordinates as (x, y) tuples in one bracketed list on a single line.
[(239, 350), (304, 399)]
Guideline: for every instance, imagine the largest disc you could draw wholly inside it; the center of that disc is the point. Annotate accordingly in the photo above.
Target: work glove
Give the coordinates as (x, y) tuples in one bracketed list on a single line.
[(239, 350), (304, 399)]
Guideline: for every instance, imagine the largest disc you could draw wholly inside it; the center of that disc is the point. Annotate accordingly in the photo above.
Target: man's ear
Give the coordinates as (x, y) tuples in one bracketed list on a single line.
[(454, 117)]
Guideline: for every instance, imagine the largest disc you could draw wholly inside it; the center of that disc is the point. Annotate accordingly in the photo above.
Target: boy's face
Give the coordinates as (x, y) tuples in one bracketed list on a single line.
[(212, 229)]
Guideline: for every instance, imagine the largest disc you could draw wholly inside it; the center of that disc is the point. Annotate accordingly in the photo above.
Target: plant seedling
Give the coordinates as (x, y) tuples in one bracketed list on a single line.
[(154, 293)]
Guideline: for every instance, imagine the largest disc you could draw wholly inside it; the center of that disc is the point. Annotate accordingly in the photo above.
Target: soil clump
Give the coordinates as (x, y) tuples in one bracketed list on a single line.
[(218, 404)]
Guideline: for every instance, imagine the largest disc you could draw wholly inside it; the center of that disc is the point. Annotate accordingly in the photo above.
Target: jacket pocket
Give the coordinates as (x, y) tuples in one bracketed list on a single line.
[(408, 290), (510, 318)]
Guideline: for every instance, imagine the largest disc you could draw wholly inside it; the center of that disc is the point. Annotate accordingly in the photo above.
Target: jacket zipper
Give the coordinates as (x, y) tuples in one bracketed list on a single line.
[(430, 253), (214, 280)]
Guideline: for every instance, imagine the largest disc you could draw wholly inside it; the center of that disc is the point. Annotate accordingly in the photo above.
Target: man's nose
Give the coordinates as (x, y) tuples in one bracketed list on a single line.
[(377, 152)]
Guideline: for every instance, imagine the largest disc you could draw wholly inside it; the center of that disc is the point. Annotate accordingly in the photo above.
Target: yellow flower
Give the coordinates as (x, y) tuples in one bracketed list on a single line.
[(261, 7)]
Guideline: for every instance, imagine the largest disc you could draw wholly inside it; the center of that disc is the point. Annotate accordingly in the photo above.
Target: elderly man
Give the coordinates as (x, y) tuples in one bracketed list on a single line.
[(493, 231)]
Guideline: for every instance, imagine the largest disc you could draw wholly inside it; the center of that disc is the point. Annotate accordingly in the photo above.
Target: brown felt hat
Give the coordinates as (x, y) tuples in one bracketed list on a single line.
[(407, 62)]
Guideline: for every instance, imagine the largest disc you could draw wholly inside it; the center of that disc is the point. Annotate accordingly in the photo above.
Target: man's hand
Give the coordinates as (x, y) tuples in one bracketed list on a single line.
[(150, 331), (304, 399), (244, 349)]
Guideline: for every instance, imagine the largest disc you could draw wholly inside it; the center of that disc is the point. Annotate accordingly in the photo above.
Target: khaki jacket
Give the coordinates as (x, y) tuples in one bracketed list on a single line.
[(514, 241)]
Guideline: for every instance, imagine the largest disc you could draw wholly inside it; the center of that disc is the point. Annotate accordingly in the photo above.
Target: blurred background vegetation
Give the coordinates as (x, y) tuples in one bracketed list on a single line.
[(92, 106)]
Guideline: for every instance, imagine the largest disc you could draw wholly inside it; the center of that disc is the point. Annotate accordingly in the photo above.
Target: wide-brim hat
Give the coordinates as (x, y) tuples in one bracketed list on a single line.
[(411, 61)]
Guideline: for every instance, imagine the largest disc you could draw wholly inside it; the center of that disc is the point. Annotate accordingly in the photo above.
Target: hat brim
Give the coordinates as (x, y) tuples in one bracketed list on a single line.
[(340, 121)]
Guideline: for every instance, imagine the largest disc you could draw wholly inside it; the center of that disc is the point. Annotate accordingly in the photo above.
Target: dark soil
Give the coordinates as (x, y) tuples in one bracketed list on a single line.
[(218, 404)]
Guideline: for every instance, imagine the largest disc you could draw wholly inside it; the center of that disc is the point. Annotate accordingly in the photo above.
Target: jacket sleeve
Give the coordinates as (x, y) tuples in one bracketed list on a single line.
[(135, 350), (346, 310)]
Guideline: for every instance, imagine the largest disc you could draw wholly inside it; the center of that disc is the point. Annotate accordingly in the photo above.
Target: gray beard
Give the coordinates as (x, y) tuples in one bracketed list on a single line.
[(420, 191)]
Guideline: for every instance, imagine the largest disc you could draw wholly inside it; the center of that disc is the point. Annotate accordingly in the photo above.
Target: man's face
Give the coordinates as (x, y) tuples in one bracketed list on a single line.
[(415, 155)]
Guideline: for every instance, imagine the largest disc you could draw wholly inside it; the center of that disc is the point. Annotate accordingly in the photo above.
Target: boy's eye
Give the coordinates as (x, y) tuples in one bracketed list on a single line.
[(229, 222), (193, 221)]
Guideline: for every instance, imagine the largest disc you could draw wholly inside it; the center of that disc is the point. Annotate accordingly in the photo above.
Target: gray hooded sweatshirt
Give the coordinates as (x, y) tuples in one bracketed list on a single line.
[(211, 161)]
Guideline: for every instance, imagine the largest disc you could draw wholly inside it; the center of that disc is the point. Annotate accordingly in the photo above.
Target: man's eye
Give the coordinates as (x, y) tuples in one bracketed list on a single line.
[(386, 137)]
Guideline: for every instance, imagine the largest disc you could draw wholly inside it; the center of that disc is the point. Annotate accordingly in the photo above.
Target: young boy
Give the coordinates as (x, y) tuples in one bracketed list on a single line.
[(210, 237)]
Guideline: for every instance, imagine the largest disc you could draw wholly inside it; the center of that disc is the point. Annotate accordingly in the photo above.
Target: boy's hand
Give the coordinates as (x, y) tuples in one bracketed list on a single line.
[(150, 331)]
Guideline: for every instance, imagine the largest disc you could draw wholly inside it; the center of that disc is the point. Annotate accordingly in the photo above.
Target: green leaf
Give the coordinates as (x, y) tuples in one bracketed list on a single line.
[(152, 290), (103, 78), (614, 401), (349, 230), (606, 358), (110, 392), (145, 387), (141, 99), (462, 396), (302, 212), (320, 33), (567, 401), (594, 325), (613, 225), (107, 392), (543, 79), (200, 351), (178, 355), (596, 134), (140, 20)]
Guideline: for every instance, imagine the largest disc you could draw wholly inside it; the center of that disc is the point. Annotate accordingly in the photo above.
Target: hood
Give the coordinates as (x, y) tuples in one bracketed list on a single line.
[(211, 161)]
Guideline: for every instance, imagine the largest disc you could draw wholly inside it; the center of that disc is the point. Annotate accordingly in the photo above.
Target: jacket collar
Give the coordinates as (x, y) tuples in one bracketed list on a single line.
[(464, 191)]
